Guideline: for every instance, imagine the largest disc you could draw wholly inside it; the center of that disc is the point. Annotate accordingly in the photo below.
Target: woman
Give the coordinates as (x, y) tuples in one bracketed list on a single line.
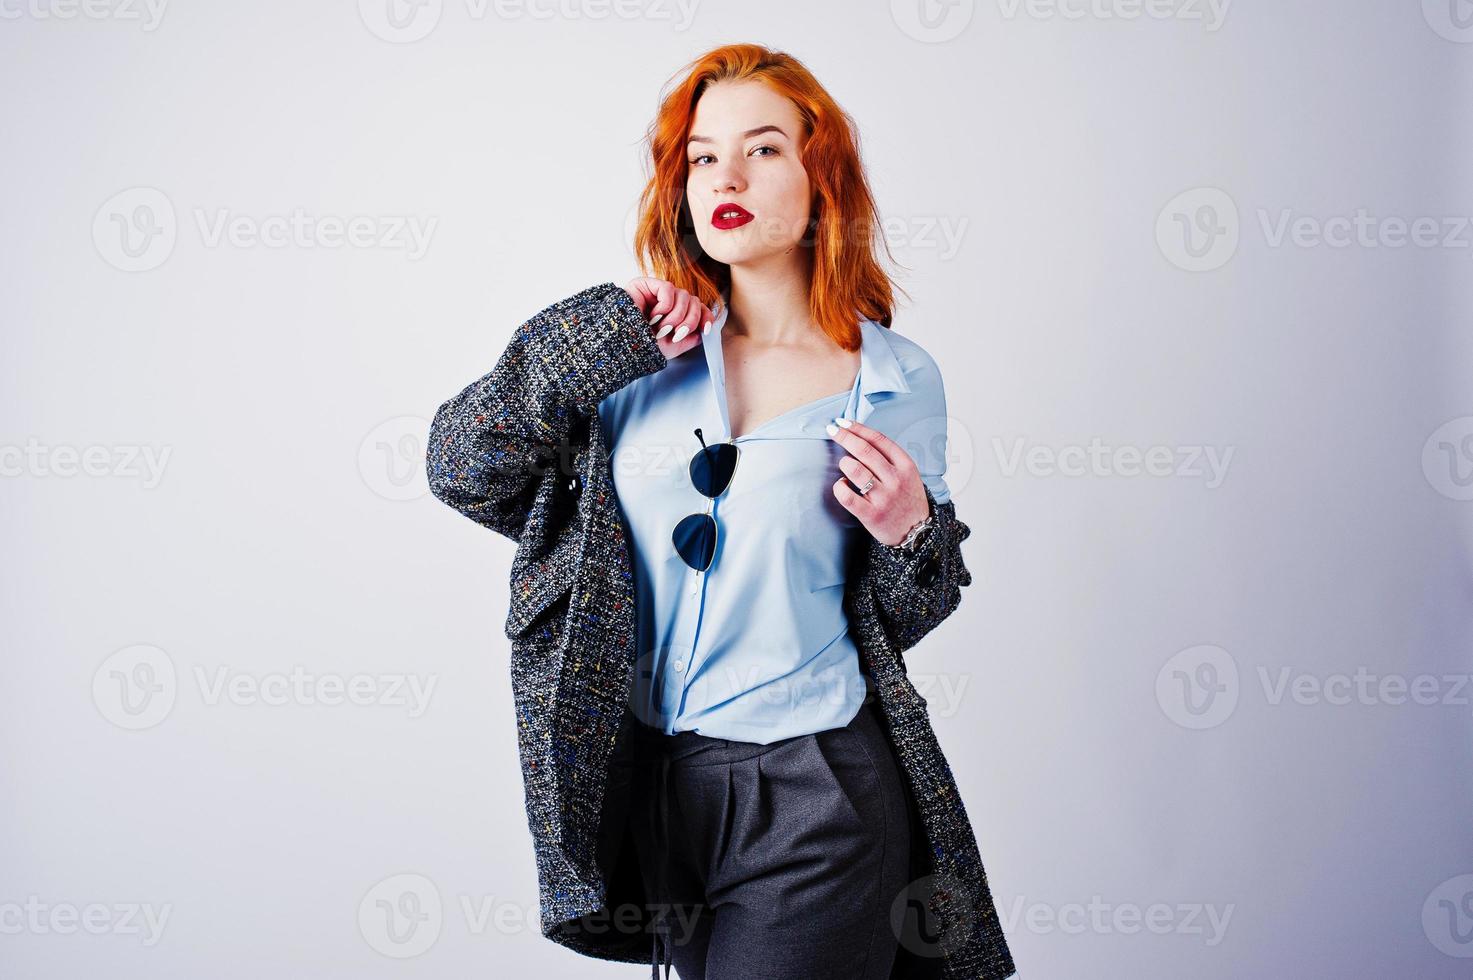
[(784, 801)]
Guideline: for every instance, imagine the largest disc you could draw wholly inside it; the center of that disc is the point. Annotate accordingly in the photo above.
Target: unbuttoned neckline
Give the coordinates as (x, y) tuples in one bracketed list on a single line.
[(716, 368)]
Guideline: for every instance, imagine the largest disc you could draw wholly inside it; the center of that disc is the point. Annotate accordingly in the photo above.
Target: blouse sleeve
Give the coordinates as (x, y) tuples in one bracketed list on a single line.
[(925, 437), (916, 591)]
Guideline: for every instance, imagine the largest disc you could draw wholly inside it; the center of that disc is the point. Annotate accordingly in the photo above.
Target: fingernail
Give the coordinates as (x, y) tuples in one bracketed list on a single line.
[(707, 327), (844, 422), (655, 319), (679, 334), (831, 429), (664, 330)]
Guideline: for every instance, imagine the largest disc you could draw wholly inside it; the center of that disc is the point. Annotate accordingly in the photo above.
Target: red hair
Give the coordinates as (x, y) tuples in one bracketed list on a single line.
[(847, 279)]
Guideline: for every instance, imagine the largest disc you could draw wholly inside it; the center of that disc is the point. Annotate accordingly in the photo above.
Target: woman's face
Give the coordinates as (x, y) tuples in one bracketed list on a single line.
[(743, 150)]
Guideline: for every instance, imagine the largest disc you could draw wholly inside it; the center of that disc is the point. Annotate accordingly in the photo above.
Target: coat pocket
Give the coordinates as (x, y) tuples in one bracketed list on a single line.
[(544, 602), (540, 585)]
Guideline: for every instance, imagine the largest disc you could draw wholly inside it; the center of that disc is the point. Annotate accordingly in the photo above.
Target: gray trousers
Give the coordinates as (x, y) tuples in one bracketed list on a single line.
[(774, 861)]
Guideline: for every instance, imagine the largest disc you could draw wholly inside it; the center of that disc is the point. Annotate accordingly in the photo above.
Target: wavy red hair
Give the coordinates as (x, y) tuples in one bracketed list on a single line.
[(847, 279)]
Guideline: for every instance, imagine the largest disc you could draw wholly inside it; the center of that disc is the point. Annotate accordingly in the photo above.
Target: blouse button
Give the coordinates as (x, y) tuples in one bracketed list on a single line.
[(575, 485)]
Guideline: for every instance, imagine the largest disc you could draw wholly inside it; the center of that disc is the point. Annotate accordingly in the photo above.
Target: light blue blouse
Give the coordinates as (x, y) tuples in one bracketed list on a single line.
[(757, 647)]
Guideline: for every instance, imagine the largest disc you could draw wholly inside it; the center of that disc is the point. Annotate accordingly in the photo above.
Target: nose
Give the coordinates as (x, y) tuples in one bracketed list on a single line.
[(729, 179)]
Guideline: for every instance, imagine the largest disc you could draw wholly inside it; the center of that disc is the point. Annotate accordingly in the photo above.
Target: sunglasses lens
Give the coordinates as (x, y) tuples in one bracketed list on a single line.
[(695, 540), (711, 468)]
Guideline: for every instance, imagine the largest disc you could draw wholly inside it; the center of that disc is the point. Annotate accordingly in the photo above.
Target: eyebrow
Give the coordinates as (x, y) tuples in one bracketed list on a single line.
[(747, 135)]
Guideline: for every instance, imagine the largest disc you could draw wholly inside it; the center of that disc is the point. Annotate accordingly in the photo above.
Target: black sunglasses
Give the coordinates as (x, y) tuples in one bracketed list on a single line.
[(711, 470)]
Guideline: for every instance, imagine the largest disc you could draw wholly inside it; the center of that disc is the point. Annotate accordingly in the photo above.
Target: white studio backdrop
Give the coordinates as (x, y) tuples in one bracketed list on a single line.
[(1197, 275)]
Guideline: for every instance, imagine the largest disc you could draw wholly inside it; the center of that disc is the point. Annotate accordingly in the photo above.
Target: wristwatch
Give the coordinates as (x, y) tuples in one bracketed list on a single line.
[(912, 542)]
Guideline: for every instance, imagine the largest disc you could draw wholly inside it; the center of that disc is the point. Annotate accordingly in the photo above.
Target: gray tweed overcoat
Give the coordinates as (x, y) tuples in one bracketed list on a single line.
[(520, 451)]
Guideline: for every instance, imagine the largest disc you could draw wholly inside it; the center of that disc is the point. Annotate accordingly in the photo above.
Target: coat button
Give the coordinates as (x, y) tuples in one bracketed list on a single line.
[(927, 571)]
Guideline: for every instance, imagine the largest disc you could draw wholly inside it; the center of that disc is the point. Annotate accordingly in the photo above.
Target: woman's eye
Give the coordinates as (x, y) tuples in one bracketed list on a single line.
[(696, 161)]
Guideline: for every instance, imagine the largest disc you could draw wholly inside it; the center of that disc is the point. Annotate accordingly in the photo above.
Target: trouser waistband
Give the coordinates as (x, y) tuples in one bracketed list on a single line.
[(685, 745)]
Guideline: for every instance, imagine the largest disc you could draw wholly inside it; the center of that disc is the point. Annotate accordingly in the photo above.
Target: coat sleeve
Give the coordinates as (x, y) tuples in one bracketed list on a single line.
[(496, 445), (914, 593)]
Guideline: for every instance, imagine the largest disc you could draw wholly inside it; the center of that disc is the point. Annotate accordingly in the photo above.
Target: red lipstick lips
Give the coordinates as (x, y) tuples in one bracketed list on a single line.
[(730, 216)]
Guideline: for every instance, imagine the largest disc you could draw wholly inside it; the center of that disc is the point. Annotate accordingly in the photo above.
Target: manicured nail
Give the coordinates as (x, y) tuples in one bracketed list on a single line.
[(831, 429), (680, 334), (707, 327), (664, 330), (844, 422), (655, 319)]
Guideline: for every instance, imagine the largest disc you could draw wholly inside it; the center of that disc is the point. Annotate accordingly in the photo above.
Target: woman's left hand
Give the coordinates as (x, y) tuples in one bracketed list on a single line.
[(897, 501)]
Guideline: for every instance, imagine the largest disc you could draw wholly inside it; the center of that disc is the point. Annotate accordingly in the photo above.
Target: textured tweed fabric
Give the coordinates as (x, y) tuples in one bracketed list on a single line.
[(520, 451)]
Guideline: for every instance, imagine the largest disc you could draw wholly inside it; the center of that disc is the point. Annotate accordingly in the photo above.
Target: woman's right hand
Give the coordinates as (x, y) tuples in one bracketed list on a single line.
[(678, 318)]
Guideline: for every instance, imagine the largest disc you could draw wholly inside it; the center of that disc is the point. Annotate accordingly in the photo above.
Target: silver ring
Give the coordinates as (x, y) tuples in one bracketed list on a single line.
[(865, 489)]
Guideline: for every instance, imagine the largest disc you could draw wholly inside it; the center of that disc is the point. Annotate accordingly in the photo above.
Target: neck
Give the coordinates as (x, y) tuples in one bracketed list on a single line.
[(770, 306)]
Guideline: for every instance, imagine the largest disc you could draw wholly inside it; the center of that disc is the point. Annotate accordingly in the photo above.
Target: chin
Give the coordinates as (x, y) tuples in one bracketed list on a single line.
[(730, 254)]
